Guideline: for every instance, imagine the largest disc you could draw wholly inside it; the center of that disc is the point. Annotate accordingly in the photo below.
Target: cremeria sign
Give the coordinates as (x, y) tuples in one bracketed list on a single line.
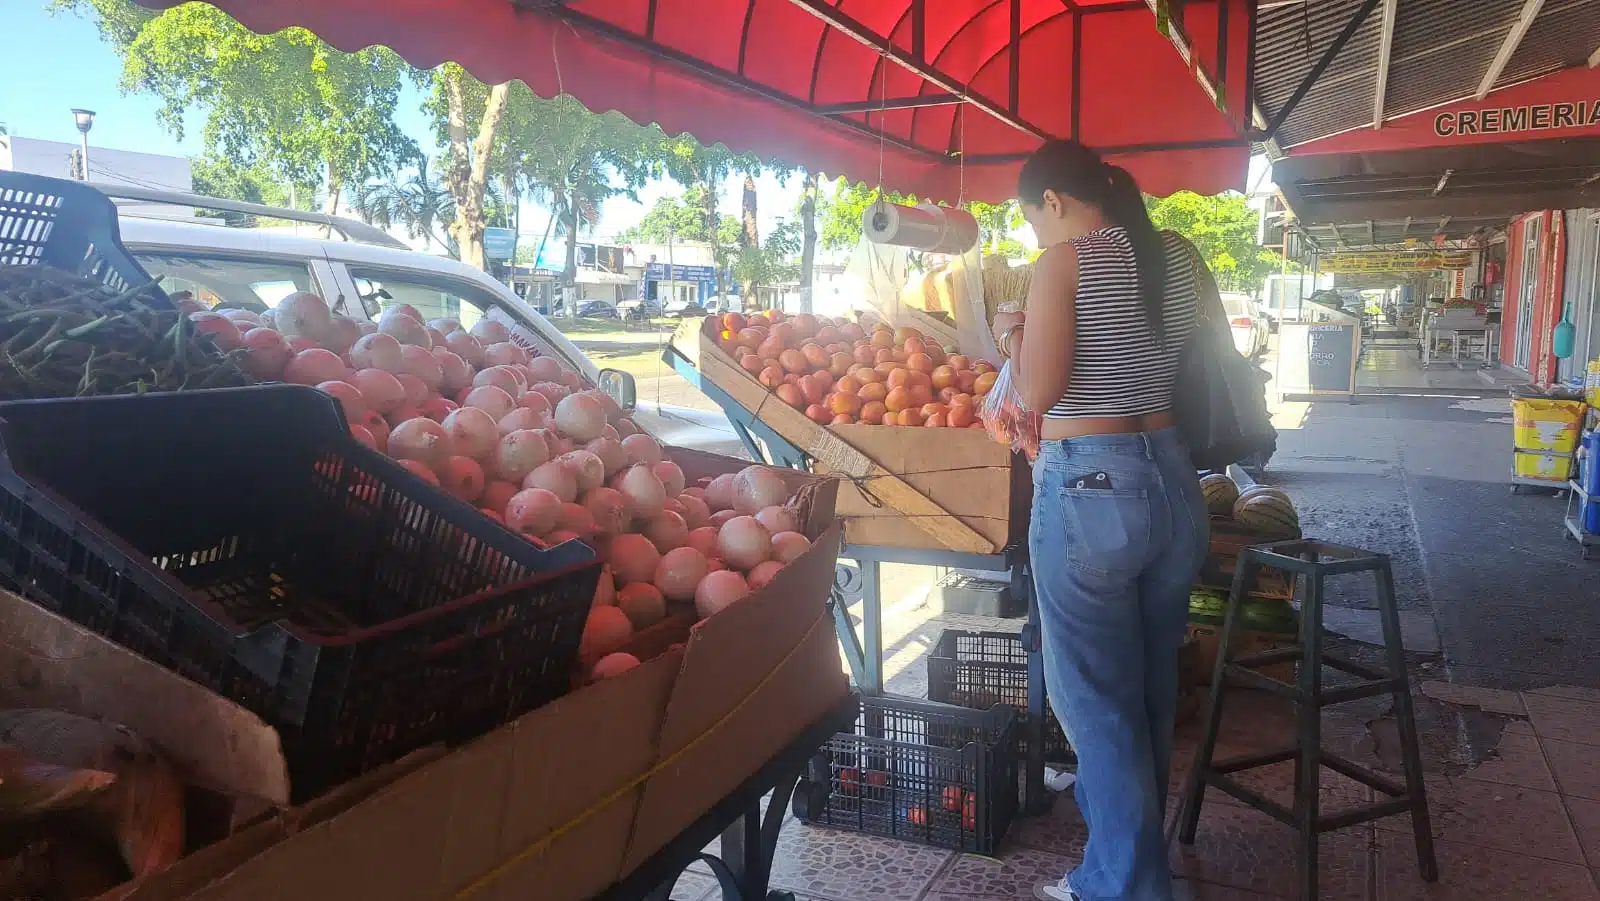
[(1563, 105), (1531, 117)]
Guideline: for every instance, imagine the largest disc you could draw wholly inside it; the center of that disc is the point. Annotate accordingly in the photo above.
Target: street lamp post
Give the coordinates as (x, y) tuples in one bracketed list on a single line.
[(85, 121)]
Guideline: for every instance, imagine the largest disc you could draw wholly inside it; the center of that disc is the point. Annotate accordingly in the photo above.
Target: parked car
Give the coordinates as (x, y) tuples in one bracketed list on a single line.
[(639, 309), (596, 309), (724, 303), (255, 269), (1249, 327), (678, 309)]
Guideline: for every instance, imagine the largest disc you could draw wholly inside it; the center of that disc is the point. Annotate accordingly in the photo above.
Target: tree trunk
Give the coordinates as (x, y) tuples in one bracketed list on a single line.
[(469, 164), (711, 227), (749, 235), (330, 205), (808, 231)]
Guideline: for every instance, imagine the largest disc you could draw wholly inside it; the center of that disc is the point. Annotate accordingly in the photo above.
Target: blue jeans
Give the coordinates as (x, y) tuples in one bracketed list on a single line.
[(1112, 568)]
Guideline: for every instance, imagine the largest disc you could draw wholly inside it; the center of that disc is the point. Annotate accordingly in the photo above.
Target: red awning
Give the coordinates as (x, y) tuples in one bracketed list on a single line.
[(793, 79)]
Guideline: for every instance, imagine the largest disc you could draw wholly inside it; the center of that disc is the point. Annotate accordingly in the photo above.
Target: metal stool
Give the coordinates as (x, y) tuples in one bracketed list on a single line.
[(1312, 562)]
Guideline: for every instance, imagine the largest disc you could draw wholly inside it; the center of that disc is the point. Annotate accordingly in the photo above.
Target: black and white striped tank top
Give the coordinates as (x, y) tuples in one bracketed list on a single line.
[(1118, 366)]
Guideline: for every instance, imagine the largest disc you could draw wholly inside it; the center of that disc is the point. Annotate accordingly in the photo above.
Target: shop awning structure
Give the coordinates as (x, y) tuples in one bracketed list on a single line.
[(1392, 121), (943, 97)]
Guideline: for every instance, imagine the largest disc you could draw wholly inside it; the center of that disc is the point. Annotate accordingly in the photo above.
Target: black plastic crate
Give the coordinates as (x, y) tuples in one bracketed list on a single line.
[(982, 669), (70, 226), (241, 538), (918, 771)]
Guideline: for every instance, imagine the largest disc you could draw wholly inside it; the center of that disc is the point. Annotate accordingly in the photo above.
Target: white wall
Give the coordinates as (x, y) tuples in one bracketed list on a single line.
[(689, 254), (1581, 288), (152, 171)]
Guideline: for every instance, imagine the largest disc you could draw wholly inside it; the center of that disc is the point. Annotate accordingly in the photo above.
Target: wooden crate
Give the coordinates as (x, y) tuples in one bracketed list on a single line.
[(933, 489), (1227, 540)]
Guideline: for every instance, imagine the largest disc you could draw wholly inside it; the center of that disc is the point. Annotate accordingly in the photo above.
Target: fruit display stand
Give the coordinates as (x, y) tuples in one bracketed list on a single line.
[(960, 501)]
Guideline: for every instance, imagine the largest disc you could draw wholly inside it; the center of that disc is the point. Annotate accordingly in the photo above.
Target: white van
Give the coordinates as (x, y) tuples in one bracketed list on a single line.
[(360, 270)]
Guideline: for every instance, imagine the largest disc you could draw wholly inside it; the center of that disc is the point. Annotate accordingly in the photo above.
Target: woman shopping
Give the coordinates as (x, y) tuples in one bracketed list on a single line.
[(1119, 527)]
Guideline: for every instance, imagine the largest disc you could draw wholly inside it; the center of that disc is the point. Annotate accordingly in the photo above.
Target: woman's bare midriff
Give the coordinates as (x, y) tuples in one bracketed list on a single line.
[(1058, 429)]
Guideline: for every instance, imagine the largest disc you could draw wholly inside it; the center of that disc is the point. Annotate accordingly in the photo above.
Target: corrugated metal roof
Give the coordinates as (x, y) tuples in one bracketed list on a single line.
[(1441, 50), (1564, 35)]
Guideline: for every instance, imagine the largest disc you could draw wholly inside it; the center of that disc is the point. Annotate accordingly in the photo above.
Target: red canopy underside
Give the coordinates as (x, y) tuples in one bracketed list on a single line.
[(756, 74)]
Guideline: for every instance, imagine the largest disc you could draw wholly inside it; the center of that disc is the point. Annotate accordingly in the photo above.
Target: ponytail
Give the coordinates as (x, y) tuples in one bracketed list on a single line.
[(1124, 204), (1070, 168)]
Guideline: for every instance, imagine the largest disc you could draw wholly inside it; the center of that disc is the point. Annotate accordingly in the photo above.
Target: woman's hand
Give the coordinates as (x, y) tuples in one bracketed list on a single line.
[(1003, 321)]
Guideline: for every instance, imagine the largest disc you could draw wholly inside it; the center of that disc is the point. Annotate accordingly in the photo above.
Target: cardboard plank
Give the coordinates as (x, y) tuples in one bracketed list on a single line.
[(49, 661), (753, 677)]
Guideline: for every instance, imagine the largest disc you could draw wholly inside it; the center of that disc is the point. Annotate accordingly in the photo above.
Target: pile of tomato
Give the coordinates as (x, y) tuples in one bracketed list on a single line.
[(840, 372)]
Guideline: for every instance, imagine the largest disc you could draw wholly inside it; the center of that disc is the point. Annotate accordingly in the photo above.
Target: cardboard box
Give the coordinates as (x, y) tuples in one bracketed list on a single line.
[(49, 662), (571, 797)]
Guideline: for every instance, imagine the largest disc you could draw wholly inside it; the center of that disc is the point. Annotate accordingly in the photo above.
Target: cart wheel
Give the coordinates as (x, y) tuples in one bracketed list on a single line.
[(799, 802), (1516, 489), (1588, 552), (1567, 534)]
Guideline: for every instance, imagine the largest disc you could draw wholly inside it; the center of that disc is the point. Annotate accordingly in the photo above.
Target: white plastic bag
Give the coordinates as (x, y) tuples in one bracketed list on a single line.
[(1007, 419)]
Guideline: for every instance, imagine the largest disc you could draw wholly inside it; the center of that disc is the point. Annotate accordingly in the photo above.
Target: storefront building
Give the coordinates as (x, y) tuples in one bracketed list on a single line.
[(1551, 271)]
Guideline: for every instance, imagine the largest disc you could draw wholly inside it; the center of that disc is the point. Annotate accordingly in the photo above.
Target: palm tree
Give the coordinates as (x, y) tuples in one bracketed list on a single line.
[(420, 204)]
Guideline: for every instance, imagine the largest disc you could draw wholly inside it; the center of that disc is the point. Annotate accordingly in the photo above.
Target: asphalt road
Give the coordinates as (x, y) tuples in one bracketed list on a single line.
[(1425, 480)]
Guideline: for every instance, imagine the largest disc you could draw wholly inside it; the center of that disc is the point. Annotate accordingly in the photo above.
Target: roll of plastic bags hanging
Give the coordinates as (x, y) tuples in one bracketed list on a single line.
[(926, 227), (946, 231)]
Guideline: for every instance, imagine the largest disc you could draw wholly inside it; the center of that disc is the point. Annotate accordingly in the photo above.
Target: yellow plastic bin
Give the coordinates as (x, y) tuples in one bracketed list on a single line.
[(1545, 425), (1546, 467)]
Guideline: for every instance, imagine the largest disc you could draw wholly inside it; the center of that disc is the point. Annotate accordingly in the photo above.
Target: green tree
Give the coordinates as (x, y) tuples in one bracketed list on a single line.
[(677, 218), (690, 163), (310, 113), (996, 222), (840, 215), (1223, 228), (467, 115), (220, 176), (771, 263), (808, 237), (419, 203), (571, 160)]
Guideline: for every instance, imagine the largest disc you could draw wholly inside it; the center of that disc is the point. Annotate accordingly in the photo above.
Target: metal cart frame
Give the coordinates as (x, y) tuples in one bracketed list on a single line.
[(749, 835), (1578, 502)]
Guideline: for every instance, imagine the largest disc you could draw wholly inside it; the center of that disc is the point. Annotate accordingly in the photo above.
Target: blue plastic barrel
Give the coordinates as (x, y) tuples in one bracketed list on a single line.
[(1590, 479)]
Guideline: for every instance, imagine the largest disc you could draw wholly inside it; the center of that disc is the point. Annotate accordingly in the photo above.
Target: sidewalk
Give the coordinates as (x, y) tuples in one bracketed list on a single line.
[(1517, 822)]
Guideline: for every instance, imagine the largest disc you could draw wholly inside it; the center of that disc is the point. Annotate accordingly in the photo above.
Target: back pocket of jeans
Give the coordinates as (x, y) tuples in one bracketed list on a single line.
[(1108, 530)]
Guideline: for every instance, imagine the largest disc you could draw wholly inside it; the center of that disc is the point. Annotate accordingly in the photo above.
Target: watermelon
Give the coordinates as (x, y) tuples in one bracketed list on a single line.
[(1259, 490), (1271, 616), (1268, 514), (1220, 493)]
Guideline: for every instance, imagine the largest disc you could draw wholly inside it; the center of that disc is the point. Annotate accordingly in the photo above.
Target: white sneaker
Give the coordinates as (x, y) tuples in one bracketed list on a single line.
[(1053, 891)]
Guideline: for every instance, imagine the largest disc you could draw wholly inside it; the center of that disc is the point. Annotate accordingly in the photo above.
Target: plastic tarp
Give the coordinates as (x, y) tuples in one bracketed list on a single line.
[(769, 76)]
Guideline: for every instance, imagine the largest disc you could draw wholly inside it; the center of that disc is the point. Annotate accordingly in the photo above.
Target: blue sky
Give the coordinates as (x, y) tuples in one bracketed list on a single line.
[(64, 64)]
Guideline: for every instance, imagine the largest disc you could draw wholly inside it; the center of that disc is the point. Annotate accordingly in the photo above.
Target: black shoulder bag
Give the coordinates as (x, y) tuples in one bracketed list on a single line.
[(1220, 400)]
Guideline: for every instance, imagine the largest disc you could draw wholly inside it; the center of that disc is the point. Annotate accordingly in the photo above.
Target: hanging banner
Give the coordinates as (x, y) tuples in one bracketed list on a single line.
[(1395, 261)]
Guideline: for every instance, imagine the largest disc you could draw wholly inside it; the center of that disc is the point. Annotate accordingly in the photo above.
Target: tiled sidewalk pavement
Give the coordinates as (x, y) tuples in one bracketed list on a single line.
[(1522, 825)]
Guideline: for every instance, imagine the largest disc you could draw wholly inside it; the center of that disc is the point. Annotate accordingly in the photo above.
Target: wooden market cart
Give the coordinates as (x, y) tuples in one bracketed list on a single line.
[(926, 497)]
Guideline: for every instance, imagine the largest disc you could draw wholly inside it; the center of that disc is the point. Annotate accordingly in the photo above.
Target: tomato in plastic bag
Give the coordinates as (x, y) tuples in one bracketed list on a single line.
[(1007, 419)]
